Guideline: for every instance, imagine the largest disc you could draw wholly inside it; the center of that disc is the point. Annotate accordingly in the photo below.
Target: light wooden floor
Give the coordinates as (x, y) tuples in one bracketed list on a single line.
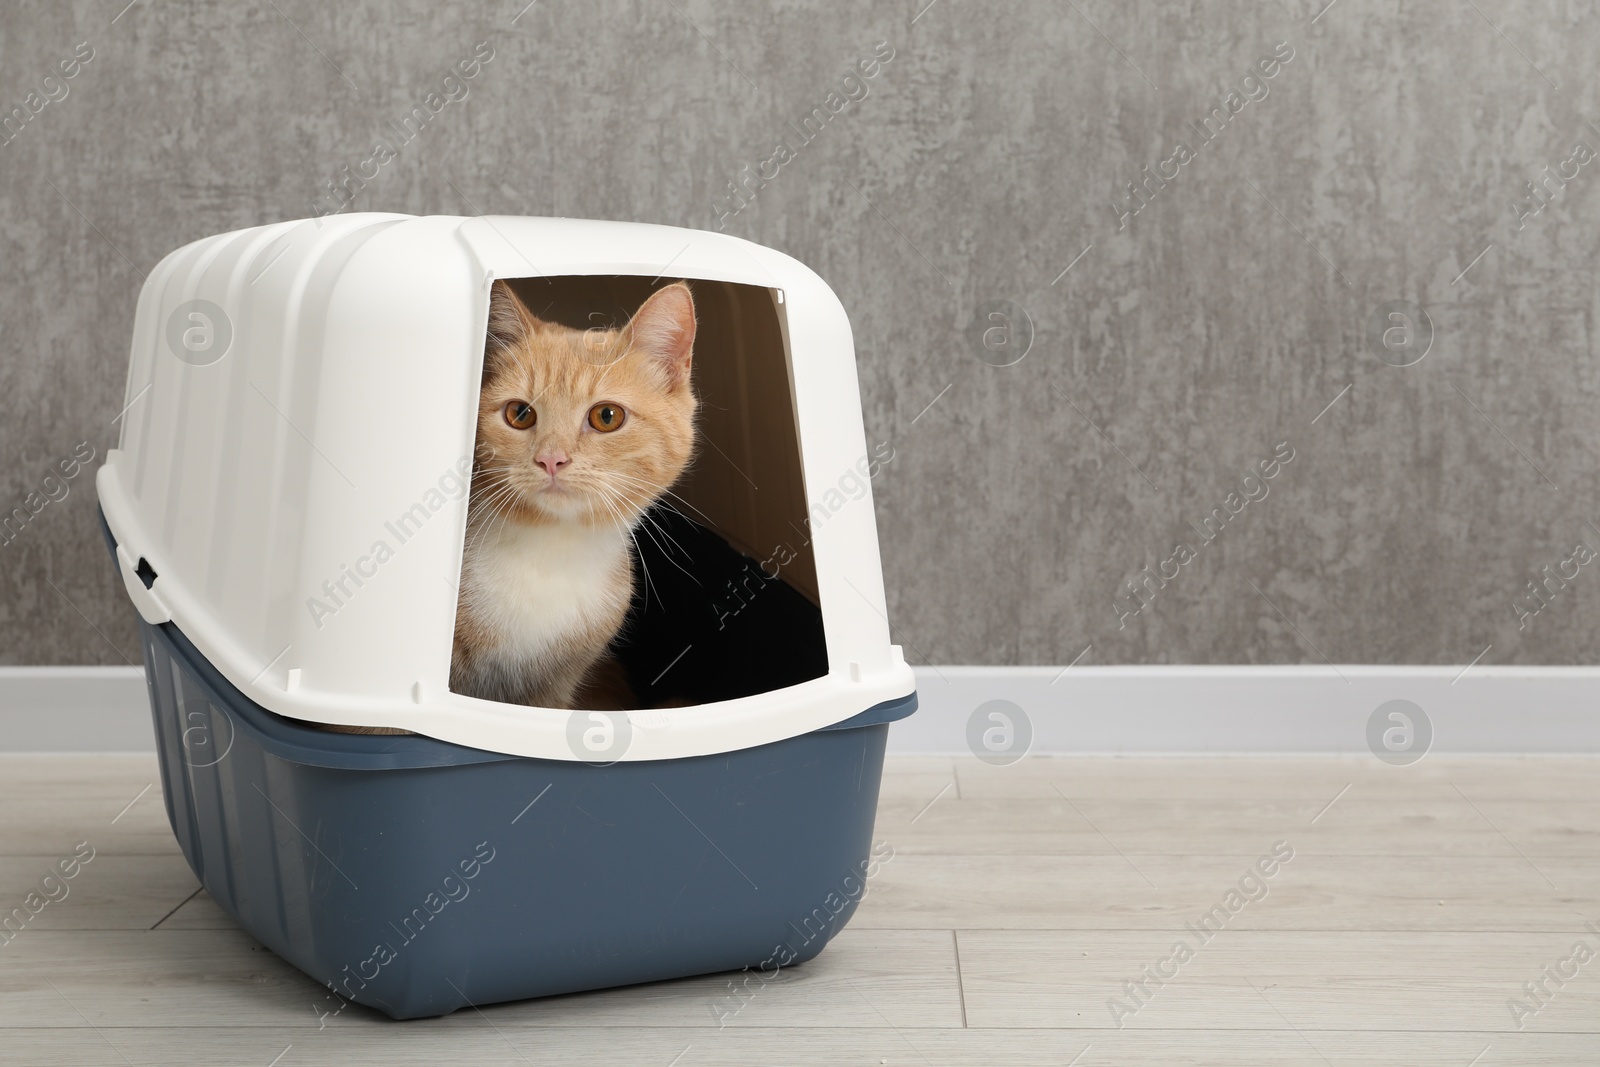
[(1018, 902)]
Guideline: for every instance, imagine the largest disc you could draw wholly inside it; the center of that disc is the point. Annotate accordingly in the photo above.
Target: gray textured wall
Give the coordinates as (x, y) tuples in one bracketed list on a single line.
[(1184, 345)]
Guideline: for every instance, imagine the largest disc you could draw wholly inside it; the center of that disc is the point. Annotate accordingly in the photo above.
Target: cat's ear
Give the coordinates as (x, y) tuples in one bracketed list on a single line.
[(663, 330), (510, 322)]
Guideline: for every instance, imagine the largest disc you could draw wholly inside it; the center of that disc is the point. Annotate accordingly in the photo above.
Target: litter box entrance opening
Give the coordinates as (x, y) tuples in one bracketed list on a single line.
[(731, 607)]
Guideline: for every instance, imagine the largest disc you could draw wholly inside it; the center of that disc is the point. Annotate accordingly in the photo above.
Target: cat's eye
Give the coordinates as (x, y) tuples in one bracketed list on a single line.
[(520, 415), (607, 417)]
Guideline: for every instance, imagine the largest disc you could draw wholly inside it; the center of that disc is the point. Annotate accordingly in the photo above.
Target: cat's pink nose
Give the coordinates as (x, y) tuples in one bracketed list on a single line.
[(552, 461)]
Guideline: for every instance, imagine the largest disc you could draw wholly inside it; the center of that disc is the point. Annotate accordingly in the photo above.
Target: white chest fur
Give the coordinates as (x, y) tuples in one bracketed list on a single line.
[(536, 588)]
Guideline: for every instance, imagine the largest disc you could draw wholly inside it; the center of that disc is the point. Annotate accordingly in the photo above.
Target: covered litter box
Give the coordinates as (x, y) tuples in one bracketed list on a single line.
[(287, 508)]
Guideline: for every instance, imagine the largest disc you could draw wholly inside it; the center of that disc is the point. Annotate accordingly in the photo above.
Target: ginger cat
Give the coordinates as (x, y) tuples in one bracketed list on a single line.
[(579, 432)]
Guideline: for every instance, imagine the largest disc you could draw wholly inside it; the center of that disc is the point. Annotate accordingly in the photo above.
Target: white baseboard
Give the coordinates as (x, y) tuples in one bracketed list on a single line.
[(74, 709), (1146, 710), (1179, 710)]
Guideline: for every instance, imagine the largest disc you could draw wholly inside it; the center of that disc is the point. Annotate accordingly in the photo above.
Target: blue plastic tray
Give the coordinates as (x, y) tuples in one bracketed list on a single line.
[(418, 876)]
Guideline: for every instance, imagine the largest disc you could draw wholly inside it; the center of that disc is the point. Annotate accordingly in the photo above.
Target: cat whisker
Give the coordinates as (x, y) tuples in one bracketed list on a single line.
[(487, 488), (485, 507), (622, 511), (666, 554), (646, 517), (497, 505), (649, 486), (604, 497), (651, 522), (488, 491), (649, 583)]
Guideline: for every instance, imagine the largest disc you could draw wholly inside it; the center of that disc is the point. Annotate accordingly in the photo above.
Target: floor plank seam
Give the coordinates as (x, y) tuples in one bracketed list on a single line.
[(181, 903), (961, 987)]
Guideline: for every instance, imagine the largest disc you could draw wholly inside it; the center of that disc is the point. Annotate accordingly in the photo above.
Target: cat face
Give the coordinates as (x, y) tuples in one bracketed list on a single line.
[(588, 426)]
